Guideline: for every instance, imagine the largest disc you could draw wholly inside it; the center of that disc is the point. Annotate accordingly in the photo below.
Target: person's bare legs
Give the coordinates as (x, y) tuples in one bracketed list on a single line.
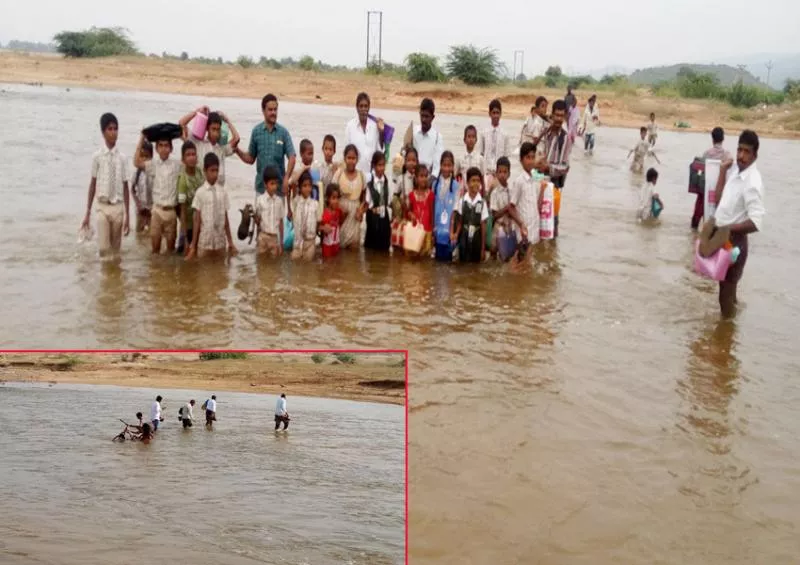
[(727, 299)]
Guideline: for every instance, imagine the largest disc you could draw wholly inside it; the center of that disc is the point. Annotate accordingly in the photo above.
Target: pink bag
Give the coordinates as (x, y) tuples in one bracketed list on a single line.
[(714, 267), (547, 220), (199, 124)]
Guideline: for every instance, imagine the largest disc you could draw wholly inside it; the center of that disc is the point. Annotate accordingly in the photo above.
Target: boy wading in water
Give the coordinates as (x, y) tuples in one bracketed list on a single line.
[(210, 406), (640, 151), (110, 185), (281, 415), (190, 179), (186, 414), (740, 209), (211, 229), (164, 172)]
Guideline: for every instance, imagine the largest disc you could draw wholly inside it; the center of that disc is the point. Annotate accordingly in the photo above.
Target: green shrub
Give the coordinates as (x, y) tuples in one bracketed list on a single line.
[(792, 89), (423, 68), (346, 358), (95, 42), (318, 358), (737, 117), (220, 355), (474, 66), (245, 62), (307, 63), (699, 85)]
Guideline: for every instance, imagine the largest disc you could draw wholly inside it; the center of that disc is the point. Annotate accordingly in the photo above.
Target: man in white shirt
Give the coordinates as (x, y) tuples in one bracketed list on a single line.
[(155, 413), (427, 141), (281, 415), (591, 119), (740, 209), (186, 414), (210, 406), (365, 134)]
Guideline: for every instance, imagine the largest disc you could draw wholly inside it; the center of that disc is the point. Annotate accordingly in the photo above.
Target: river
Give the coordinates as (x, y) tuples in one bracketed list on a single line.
[(591, 410), (327, 491)]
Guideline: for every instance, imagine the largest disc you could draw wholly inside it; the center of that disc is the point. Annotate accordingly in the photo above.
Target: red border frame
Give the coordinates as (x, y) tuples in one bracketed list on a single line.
[(367, 351)]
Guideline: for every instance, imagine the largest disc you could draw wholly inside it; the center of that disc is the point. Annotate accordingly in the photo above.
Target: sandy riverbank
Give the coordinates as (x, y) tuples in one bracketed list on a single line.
[(372, 378), (618, 108)]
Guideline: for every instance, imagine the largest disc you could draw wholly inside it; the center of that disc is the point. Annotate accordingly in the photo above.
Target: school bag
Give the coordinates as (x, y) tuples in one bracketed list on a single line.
[(443, 212), (697, 176), (288, 234)]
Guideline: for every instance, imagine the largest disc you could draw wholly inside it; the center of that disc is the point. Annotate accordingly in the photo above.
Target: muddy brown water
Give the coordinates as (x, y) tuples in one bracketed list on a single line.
[(592, 409)]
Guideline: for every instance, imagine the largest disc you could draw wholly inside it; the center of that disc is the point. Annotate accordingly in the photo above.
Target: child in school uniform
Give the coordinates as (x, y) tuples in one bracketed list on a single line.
[(652, 130), (469, 221), (650, 204), (472, 158), (420, 207), (190, 179), (305, 220), (352, 185), (403, 186), (211, 142), (211, 230), (503, 224), (270, 211), (327, 168), (165, 172), (142, 190), (640, 151), (525, 198), (493, 144), (379, 227), (446, 191), (109, 184), (332, 220)]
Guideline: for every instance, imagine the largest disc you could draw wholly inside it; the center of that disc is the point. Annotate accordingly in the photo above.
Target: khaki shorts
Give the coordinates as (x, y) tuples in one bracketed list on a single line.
[(268, 243), (142, 220), (164, 223), (201, 252), (110, 218), (305, 250)]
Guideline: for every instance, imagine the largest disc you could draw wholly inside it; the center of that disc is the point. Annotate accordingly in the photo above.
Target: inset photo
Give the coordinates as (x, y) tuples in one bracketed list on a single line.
[(232, 457)]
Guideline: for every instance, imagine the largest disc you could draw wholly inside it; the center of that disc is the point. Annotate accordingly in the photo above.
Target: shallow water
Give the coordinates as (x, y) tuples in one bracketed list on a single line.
[(593, 410), (329, 490)]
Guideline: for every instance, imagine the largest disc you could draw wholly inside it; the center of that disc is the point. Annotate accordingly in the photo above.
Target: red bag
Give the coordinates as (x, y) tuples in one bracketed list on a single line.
[(397, 233)]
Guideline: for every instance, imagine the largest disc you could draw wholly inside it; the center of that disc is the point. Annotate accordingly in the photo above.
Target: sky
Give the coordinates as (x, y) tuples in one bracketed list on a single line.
[(593, 35)]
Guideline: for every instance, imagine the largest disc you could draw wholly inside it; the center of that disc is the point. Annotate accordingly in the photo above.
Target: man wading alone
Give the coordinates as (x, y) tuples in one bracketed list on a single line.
[(740, 197), (281, 415)]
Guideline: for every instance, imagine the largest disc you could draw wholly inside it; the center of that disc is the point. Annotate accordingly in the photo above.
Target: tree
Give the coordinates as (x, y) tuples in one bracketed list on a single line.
[(184, 56), (95, 42), (423, 68), (244, 61), (474, 66), (554, 72), (792, 89), (306, 63)]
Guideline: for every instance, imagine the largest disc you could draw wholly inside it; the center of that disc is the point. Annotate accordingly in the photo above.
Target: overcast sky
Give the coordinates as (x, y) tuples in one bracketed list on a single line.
[(593, 34)]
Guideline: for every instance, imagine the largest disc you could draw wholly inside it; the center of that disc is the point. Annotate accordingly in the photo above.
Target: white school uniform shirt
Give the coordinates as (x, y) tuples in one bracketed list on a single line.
[(525, 198), (646, 201), (367, 140), (155, 411), (165, 175), (493, 144), (271, 210), (305, 220), (742, 198), (379, 184), (430, 147), (213, 203), (501, 196), (205, 147), (280, 407), (589, 125), (211, 405), (187, 413), (472, 203), (469, 160), (110, 168)]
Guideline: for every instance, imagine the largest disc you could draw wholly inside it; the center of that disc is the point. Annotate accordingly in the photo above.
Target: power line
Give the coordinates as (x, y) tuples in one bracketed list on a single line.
[(769, 71)]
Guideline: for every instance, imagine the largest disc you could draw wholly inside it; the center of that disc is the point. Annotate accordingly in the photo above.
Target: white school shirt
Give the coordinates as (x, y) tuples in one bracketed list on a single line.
[(165, 180), (469, 160), (493, 144), (646, 201), (155, 411), (187, 413), (367, 141), (280, 407), (213, 203), (205, 147), (110, 168), (472, 203), (525, 198), (742, 198), (211, 405), (271, 210), (589, 125), (430, 147), (305, 220)]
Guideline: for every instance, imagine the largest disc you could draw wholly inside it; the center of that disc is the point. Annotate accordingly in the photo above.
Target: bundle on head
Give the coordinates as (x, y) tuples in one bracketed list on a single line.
[(246, 226)]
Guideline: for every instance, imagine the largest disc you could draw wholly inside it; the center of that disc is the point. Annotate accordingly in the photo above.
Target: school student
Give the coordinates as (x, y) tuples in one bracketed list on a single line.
[(493, 143), (589, 123), (211, 143), (155, 413), (446, 192), (427, 140), (379, 226), (503, 224), (305, 221), (210, 406), (525, 197), (535, 126), (640, 151), (648, 196), (421, 207), (469, 221), (281, 415), (165, 172), (327, 168), (190, 179), (142, 190), (306, 164), (270, 211), (211, 230), (332, 219), (109, 183), (352, 184), (186, 414), (652, 130), (472, 157)]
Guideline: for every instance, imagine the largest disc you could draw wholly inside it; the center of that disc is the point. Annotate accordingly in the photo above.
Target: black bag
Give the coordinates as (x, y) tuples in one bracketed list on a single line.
[(697, 176), (162, 132)]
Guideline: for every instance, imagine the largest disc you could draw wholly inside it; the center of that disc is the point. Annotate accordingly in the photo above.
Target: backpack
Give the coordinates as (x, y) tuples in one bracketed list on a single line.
[(697, 176)]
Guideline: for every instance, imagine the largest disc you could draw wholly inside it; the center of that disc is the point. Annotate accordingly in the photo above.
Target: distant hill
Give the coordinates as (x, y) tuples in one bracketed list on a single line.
[(784, 66), (30, 46), (726, 74)]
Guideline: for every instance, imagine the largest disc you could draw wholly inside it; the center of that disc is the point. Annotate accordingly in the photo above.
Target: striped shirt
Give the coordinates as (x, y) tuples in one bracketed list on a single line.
[(557, 147), (212, 201), (305, 220), (165, 174), (270, 209), (524, 195), (110, 169), (469, 160), (493, 144), (221, 151)]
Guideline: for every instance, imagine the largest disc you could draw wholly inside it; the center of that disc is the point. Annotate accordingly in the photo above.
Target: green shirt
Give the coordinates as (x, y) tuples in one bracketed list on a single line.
[(270, 148), (187, 186)]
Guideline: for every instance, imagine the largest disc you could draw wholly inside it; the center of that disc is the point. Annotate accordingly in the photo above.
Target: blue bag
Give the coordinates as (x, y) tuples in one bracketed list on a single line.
[(655, 207), (288, 234)]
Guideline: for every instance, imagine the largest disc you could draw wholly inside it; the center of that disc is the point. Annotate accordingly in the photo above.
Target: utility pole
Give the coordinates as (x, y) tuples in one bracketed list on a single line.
[(769, 72), (375, 39), (519, 54)]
